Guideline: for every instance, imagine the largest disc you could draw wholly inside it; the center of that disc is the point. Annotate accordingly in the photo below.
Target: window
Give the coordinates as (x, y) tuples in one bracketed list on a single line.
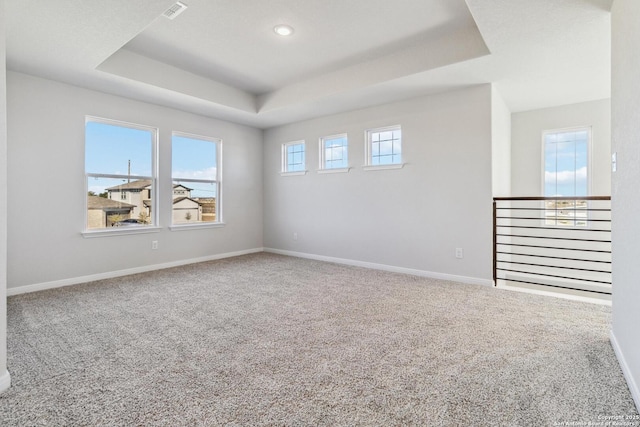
[(120, 164), (384, 147), (334, 153), (196, 172), (566, 159), (293, 161)]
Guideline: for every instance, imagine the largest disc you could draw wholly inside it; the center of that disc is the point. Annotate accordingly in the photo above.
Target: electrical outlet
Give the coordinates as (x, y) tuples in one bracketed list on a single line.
[(154, 244), (295, 236), (459, 253)]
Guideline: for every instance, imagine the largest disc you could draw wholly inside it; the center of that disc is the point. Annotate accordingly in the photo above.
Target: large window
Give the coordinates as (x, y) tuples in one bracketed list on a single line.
[(120, 175), (334, 153), (566, 174), (196, 179), (384, 146), (293, 157)]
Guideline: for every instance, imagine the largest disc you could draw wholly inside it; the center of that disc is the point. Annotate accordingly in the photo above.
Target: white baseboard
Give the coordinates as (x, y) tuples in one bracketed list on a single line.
[(111, 274), (626, 371), (5, 381), (384, 267), (587, 299)]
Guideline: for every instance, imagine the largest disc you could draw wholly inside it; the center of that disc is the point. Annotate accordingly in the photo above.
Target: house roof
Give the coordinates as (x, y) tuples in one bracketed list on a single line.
[(133, 185), (205, 200), (97, 202), (342, 56), (180, 185), (180, 199)]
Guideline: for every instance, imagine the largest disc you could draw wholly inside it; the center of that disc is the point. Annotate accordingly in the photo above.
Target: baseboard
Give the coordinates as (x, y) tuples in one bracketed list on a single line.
[(111, 274), (5, 381), (385, 267), (587, 299), (626, 371)]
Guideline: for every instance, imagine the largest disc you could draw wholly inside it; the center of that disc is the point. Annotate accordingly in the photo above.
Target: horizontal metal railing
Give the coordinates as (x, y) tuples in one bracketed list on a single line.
[(553, 242)]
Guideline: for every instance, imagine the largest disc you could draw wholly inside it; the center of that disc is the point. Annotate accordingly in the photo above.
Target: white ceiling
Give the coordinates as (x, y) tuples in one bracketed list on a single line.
[(222, 59)]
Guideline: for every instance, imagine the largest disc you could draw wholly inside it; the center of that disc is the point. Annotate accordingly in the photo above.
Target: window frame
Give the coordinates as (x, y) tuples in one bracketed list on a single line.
[(589, 130), (369, 149), (219, 222), (322, 163), (155, 217), (285, 158), (545, 221)]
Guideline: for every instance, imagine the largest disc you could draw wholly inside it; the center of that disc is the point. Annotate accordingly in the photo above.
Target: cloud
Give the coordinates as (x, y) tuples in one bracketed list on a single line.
[(566, 177), (207, 174)]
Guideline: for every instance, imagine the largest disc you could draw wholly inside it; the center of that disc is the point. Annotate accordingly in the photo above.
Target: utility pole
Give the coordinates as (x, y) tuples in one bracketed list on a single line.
[(129, 173)]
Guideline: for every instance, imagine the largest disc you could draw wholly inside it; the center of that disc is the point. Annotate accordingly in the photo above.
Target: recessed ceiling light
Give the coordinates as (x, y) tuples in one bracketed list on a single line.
[(283, 30)]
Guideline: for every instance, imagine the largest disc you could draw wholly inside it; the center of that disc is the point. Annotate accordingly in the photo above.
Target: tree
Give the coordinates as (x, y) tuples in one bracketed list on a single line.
[(91, 193), (144, 218), (115, 218)]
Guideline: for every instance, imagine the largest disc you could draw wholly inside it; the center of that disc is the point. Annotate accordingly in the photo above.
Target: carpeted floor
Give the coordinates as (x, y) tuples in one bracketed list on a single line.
[(271, 340)]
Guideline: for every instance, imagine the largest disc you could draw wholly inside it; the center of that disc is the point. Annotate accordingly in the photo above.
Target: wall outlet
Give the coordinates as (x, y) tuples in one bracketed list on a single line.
[(295, 236), (459, 253), (154, 244)]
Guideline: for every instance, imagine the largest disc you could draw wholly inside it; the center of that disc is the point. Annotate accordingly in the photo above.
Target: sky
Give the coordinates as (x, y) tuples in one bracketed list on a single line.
[(565, 164), (335, 153), (109, 148)]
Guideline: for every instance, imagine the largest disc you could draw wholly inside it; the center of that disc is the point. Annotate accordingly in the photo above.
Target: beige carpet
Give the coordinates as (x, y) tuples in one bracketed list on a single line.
[(271, 340)]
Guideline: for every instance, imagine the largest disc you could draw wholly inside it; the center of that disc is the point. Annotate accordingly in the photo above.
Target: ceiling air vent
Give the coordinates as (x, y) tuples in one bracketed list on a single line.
[(175, 10)]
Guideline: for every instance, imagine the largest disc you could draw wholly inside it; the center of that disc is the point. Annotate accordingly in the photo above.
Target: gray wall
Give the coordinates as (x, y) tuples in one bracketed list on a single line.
[(500, 144), (46, 185), (412, 217), (526, 139), (3, 206), (625, 111)]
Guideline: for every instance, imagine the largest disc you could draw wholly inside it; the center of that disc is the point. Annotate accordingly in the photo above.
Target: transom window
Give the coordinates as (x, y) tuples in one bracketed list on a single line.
[(384, 146), (196, 179), (334, 152), (120, 174), (293, 157)]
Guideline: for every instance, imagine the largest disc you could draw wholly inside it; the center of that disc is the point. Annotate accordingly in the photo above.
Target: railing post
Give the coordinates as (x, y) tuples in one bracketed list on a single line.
[(495, 245)]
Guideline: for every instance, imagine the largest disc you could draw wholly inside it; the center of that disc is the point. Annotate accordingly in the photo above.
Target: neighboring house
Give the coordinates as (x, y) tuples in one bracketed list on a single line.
[(101, 211), (208, 205), (135, 193), (185, 210), (138, 193)]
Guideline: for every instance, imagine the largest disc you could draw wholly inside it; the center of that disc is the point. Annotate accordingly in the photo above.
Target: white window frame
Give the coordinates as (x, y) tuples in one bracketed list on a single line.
[(322, 165), (285, 159), (369, 149), (114, 231), (589, 131), (218, 181), (589, 152)]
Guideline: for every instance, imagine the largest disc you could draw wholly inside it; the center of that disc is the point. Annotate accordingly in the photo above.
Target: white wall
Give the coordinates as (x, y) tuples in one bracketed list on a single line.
[(4, 375), (625, 111), (500, 145), (526, 140), (412, 217), (46, 152)]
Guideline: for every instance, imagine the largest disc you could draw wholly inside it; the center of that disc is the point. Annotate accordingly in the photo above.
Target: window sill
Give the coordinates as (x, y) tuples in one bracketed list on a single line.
[(120, 232), (293, 173), (183, 227), (336, 170), (383, 167)]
